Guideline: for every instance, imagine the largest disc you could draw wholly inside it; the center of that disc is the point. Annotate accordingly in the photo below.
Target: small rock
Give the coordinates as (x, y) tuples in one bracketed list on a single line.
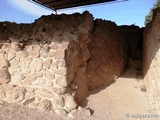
[(53, 46), (7, 88), (70, 103), (2, 52), (61, 112), (45, 93), (60, 54), (1, 102), (34, 51), (46, 48), (11, 54), (37, 64), (54, 65), (17, 96), (39, 74), (4, 63), (35, 47), (76, 114), (4, 76), (73, 86), (2, 95), (109, 112), (45, 105), (28, 101), (44, 54), (48, 83), (21, 77), (80, 108), (22, 54), (85, 111), (88, 112), (61, 71), (143, 88), (62, 63), (58, 102), (2, 56), (16, 46), (61, 81), (59, 90), (28, 81), (49, 75), (48, 63), (34, 54)]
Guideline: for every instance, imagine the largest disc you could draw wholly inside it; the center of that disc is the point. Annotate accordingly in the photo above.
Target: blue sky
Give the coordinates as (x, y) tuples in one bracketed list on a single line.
[(122, 13)]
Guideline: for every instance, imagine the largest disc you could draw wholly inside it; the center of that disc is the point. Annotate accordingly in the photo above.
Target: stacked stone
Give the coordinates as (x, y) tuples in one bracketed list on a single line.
[(36, 66), (55, 62), (36, 73), (4, 74)]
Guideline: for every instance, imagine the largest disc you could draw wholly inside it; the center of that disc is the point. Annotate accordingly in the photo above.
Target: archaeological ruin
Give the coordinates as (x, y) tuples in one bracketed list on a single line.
[(53, 63)]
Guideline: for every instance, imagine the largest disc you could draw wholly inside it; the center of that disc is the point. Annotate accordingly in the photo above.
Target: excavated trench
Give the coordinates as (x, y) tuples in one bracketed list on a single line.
[(54, 63)]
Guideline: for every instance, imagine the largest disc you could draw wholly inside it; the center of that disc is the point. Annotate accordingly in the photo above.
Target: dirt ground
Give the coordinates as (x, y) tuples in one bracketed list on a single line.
[(126, 99), (17, 112)]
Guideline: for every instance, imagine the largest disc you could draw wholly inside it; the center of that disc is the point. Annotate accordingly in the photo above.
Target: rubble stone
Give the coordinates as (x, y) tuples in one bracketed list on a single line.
[(59, 65)]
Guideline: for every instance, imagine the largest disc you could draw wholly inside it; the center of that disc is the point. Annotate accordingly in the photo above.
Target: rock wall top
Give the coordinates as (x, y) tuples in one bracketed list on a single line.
[(43, 29)]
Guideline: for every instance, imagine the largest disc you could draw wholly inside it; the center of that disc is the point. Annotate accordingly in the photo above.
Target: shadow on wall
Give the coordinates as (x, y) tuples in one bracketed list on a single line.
[(134, 37), (55, 62)]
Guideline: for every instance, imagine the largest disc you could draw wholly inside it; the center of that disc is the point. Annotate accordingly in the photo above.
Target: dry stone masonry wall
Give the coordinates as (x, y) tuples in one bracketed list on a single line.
[(55, 62)]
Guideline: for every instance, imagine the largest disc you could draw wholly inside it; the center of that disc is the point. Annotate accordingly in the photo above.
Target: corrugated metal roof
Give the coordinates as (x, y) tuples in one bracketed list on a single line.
[(62, 4)]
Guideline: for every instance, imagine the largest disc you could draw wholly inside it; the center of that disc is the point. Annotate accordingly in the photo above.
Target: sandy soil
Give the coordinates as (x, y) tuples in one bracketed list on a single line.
[(17, 112), (125, 99)]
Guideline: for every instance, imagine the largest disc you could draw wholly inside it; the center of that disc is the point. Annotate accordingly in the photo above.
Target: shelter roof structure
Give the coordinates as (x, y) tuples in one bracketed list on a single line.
[(63, 4)]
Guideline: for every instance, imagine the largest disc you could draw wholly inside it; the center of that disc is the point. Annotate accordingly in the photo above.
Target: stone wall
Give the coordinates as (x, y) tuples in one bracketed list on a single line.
[(55, 62), (151, 58)]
